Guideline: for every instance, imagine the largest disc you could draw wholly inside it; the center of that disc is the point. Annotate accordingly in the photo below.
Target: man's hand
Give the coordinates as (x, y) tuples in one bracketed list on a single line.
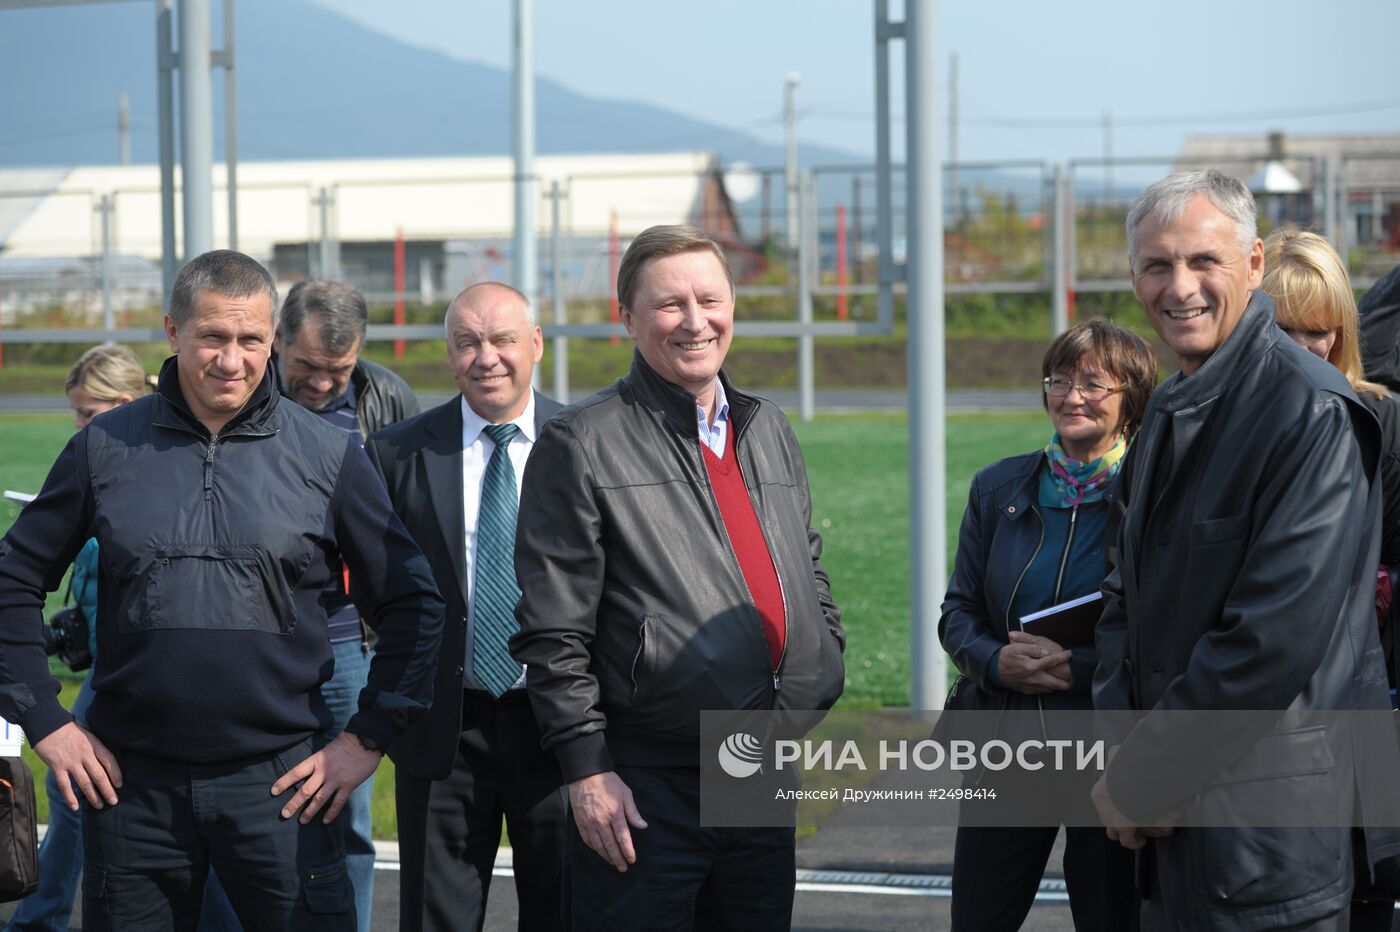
[(1033, 665), (603, 810), (75, 755), (1120, 828), (328, 776)]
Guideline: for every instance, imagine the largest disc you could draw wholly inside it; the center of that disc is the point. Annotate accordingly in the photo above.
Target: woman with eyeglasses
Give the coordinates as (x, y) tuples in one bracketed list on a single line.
[(1033, 536)]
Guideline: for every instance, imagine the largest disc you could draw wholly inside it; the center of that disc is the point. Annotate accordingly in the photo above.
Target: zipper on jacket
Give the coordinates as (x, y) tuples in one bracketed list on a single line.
[(209, 468), (1064, 557), (1016, 588), (1055, 600), (1001, 713)]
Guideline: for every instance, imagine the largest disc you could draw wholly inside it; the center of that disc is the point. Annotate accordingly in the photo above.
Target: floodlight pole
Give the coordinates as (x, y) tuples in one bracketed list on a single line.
[(794, 219), (525, 262), (927, 453), (165, 86), (196, 128)]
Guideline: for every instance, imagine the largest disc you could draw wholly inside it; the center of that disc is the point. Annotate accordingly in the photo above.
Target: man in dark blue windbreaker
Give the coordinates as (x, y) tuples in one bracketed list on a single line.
[(222, 510)]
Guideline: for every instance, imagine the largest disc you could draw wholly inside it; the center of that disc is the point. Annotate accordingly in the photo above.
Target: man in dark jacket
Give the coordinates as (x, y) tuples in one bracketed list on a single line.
[(1244, 580), (667, 565), (319, 338), (320, 333), (1380, 330), (221, 513), (476, 757)]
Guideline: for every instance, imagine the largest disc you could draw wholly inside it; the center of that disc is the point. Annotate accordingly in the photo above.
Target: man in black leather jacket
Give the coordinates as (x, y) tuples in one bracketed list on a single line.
[(1244, 580), (318, 362), (667, 565)]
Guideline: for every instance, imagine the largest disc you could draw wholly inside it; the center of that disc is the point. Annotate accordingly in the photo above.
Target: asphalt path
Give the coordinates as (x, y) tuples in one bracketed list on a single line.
[(848, 879)]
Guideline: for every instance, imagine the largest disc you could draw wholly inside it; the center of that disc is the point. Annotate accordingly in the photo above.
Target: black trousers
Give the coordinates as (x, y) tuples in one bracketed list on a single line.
[(686, 877), (449, 829), (146, 859), (996, 872)]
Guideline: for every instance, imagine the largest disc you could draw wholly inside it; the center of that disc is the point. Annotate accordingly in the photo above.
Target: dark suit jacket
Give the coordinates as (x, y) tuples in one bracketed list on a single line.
[(420, 460)]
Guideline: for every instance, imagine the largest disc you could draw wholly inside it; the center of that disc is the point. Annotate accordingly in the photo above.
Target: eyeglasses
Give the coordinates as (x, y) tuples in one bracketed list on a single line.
[(1057, 387)]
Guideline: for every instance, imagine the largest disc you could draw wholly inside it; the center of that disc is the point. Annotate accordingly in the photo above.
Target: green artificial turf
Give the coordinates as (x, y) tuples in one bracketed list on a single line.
[(858, 466)]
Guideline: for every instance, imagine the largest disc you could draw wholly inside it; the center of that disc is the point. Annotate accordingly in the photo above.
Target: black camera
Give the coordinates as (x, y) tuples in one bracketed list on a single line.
[(66, 634)]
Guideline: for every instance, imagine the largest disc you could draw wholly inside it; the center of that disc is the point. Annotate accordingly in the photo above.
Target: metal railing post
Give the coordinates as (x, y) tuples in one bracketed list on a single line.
[(556, 287)]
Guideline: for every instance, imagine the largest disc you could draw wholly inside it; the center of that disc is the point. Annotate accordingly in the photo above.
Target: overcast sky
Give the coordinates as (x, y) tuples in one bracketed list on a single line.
[(1034, 78)]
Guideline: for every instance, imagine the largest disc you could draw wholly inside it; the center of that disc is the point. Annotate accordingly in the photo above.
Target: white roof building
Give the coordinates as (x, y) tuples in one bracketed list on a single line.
[(53, 212)]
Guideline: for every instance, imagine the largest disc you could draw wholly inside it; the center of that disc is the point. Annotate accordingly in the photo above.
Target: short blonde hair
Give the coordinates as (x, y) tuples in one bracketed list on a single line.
[(107, 373), (1307, 280)]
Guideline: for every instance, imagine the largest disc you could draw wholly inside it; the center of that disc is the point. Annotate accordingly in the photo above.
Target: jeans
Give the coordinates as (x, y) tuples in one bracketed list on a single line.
[(342, 695), (147, 859), (60, 856)]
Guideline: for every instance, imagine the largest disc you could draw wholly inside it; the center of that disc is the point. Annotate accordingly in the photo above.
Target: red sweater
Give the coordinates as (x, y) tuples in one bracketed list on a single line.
[(746, 537)]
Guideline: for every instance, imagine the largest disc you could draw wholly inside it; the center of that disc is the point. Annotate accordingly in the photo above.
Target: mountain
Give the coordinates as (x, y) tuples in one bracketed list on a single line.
[(311, 84)]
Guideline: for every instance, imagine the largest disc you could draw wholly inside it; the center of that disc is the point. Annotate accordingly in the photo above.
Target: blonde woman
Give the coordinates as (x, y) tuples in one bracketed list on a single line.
[(1317, 308)]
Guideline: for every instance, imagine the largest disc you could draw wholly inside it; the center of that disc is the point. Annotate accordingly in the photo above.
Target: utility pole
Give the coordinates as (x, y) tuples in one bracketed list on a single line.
[(927, 451), (124, 128), (953, 190), (226, 58), (196, 127), (165, 96), (524, 262), (790, 133), (1108, 155)]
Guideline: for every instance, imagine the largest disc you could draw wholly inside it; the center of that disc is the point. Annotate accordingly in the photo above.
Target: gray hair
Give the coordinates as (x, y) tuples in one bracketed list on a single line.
[(470, 292), (1166, 200), (224, 272), (340, 312)]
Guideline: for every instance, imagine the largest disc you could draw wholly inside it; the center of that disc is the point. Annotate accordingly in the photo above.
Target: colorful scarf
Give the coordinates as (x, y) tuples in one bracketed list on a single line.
[(1073, 482)]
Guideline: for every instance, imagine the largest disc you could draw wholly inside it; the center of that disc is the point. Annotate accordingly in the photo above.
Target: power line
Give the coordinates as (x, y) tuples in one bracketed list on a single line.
[(1068, 122)]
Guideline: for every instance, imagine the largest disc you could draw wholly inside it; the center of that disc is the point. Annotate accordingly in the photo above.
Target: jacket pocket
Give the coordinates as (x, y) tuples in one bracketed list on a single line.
[(215, 587), (644, 661), (1219, 530), (1254, 867)]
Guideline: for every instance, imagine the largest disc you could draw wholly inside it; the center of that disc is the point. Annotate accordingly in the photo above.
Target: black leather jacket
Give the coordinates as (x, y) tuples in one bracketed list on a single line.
[(634, 614), (381, 397), (1245, 581)]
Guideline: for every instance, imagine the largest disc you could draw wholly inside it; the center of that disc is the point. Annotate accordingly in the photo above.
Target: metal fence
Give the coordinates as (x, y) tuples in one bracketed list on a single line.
[(91, 268)]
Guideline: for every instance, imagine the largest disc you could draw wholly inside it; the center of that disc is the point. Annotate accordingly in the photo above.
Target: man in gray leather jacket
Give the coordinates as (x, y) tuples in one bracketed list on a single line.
[(667, 565), (1244, 580)]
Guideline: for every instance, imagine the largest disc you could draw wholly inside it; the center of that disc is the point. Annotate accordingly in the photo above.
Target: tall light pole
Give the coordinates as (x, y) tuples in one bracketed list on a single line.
[(927, 449), (525, 262), (196, 128), (790, 135)]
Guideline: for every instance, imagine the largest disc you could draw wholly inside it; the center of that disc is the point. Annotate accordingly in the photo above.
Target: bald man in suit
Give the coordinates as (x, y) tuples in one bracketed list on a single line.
[(453, 475)]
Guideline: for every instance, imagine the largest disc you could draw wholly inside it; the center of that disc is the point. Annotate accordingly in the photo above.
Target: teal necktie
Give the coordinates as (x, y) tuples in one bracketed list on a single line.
[(495, 590)]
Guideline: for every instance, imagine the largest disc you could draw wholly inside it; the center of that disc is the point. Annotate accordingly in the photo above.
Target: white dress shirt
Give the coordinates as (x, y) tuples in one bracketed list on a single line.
[(477, 448)]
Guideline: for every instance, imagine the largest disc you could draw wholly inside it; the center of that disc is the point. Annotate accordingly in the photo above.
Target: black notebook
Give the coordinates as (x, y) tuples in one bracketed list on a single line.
[(1069, 624)]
